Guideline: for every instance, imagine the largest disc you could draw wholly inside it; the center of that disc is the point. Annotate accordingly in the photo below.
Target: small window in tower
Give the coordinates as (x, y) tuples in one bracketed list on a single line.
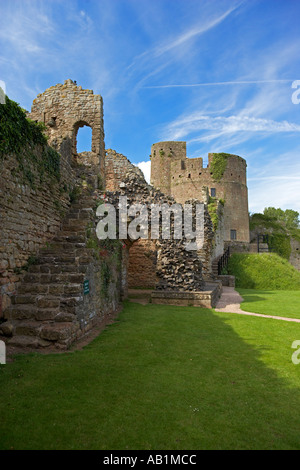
[(232, 234), (213, 192), (182, 165), (189, 175)]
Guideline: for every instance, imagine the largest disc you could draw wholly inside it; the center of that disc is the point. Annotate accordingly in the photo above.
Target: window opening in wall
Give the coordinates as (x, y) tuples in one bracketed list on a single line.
[(213, 192), (182, 165), (232, 234), (84, 139), (189, 175)]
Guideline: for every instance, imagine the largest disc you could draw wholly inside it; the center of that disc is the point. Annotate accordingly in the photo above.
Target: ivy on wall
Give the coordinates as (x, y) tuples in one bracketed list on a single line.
[(213, 207), (218, 165), (20, 135)]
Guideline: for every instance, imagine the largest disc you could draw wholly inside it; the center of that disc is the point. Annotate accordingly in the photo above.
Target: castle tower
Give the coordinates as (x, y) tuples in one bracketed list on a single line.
[(162, 156), (64, 109), (184, 178)]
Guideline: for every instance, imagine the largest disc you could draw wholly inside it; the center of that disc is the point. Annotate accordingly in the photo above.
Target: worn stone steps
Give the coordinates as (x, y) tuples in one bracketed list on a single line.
[(43, 311)]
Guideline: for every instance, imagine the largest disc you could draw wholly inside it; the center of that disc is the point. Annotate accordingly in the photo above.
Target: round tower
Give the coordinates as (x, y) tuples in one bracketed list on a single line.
[(230, 185), (184, 178)]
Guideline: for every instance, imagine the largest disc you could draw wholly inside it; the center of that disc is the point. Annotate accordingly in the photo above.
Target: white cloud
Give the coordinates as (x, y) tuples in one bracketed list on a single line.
[(145, 167), (224, 125), (157, 58)]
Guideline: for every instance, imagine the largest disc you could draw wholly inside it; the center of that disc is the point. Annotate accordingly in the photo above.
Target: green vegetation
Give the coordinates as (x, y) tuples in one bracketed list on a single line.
[(263, 271), (218, 165), (289, 217), (280, 226), (20, 136), (161, 377), (214, 210), (282, 303), (75, 193)]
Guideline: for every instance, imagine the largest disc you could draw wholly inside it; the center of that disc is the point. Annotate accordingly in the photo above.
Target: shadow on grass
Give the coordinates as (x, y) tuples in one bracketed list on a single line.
[(163, 377), (253, 298)]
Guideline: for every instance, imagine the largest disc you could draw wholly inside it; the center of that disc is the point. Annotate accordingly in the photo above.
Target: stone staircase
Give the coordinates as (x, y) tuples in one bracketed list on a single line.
[(45, 309), (214, 266)]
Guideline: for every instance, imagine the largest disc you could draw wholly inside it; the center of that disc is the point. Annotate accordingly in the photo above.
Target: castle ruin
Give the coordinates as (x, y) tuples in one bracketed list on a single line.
[(57, 279)]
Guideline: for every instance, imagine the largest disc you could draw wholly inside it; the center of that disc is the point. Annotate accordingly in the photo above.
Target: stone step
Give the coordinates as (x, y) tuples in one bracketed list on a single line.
[(81, 213), (21, 312), (59, 331), (23, 299), (57, 258), (28, 341), (34, 289), (28, 328)]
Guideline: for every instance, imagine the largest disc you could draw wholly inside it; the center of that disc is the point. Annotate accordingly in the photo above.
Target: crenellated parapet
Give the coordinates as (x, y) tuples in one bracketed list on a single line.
[(184, 178)]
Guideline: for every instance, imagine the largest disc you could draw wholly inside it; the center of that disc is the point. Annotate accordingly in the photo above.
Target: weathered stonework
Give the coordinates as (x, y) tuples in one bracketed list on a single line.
[(183, 178), (72, 282), (30, 217), (208, 297), (64, 109), (173, 267), (116, 168)]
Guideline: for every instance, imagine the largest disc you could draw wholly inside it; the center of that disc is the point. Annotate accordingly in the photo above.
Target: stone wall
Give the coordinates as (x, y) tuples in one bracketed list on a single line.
[(32, 210), (184, 178), (116, 169), (149, 260), (142, 264), (64, 109), (176, 268), (30, 217)]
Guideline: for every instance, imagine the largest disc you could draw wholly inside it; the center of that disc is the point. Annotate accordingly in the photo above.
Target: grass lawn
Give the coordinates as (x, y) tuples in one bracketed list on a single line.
[(160, 378), (280, 303)]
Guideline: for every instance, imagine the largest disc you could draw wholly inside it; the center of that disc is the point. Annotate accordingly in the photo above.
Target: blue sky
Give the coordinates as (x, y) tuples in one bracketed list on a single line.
[(215, 73)]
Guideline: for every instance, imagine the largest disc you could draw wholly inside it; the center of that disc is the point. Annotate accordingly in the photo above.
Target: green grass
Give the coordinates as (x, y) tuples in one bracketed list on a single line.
[(161, 377), (263, 271), (278, 303)]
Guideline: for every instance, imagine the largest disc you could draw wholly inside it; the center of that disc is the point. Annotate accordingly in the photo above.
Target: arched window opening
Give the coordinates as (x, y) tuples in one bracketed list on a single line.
[(84, 139)]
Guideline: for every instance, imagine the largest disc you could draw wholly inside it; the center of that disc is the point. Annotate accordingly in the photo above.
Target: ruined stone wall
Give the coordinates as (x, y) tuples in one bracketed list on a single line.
[(116, 168), (145, 255), (32, 208), (142, 264), (30, 217), (176, 268), (64, 109), (184, 178)]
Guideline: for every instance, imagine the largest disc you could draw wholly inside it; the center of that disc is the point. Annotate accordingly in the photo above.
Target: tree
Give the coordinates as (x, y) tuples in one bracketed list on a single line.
[(289, 217)]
